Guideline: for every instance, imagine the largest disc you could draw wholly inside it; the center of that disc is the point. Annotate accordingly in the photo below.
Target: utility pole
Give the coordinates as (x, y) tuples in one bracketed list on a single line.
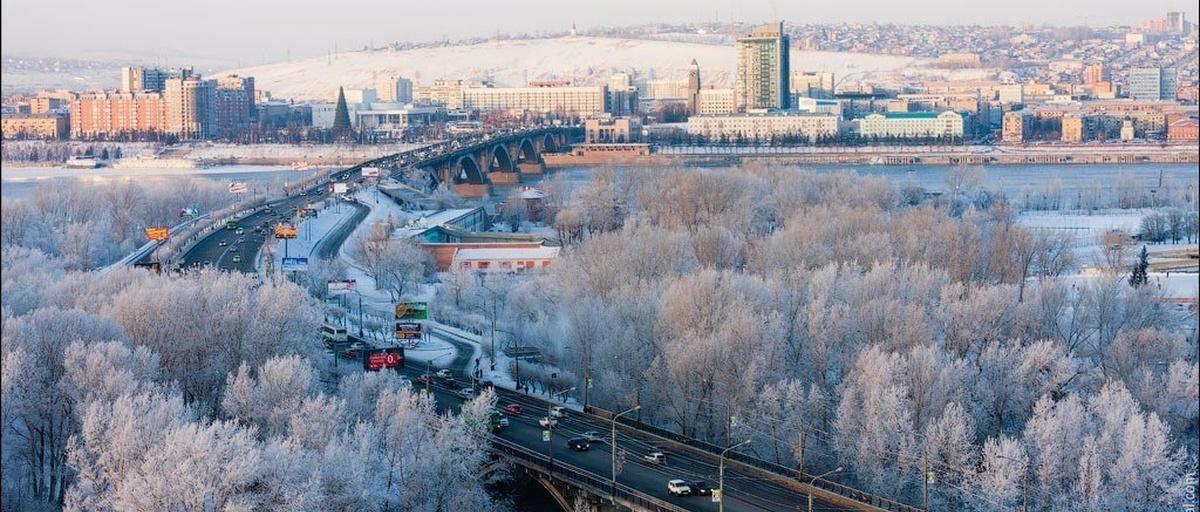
[(924, 479), (721, 473), (613, 494)]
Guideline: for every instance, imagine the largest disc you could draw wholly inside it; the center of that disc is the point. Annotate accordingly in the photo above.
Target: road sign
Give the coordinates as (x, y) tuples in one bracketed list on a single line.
[(294, 264), (380, 358), (716, 495), (157, 233), (190, 211), (306, 212), (339, 286), (546, 436), (370, 172), (412, 310), (339, 188), (408, 330), (237, 187)]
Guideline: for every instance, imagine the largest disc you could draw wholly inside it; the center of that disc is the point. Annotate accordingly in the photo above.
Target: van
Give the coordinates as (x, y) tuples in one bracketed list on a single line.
[(334, 333)]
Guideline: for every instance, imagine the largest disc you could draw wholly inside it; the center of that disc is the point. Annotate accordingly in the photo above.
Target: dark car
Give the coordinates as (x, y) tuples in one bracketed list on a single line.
[(578, 444), (701, 488), (425, 379)]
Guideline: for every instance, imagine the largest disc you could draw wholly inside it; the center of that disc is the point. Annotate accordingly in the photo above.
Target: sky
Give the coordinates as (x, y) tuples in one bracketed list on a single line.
[(245, 32)]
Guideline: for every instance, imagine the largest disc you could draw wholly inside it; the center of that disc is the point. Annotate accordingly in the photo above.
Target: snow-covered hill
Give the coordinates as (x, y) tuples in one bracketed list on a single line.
[(512, 62)]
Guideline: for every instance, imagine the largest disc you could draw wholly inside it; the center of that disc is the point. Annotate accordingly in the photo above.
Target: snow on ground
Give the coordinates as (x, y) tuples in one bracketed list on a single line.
[(209, 150), (309, 233), (1091, 222), (24, 174), (512, 62), (1172, 285)]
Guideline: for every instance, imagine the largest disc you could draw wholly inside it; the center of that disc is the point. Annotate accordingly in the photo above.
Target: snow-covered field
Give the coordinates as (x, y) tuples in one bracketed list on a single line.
[(209, 151), (1088, 223), (512, 62)]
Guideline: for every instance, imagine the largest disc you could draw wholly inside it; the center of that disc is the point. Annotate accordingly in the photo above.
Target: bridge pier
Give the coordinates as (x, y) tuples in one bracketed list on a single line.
[(532, 168), (471, 190), (504, 178)]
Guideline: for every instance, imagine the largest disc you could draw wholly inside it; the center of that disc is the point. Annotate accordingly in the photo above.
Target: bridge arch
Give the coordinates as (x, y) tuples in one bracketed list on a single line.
[(549, 143), (500, 160), (466, 170), (526, 152)]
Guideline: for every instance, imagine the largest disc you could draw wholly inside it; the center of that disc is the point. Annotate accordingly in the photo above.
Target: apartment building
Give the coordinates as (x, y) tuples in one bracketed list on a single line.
[(763, 74), (547, 100), (911, 125), (763, 126)]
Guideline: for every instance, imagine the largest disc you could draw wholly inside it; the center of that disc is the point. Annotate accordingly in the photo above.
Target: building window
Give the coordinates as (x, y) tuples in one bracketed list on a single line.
[(483, 265), (466, 264)]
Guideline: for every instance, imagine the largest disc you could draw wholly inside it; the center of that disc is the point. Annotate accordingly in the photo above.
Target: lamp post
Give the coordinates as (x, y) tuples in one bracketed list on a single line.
[(613, 447), (813, 484), (550, 422), (495, 299), (721, 473)]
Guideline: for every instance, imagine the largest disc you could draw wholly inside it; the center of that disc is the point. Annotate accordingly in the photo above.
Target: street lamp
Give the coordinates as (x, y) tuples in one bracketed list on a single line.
[(721, 473), (550, 421), (495, 299), (812, 484), (613, 496)]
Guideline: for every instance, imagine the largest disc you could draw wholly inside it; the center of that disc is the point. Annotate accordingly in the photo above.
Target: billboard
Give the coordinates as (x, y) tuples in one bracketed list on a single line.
[(294, 264), (370, 172), (237, 187), (339, 188), (412, 310), (157, 233), (306, 212), (380, 358), (339, 286), (190, 211), (285, 231), (408, 331)]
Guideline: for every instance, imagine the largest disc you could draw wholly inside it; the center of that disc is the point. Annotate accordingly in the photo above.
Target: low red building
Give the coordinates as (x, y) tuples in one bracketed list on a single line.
[(1184, 130)]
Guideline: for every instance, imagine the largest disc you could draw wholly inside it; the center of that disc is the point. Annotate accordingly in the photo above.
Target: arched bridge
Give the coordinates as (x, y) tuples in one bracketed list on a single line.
[(471, 166)]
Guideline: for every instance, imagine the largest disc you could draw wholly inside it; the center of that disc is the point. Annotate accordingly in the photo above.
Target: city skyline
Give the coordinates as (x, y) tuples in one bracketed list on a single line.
[(271, 29)]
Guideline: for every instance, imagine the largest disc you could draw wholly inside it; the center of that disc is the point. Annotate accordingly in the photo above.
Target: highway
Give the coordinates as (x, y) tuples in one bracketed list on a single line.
[(744, 492), (219, 248)]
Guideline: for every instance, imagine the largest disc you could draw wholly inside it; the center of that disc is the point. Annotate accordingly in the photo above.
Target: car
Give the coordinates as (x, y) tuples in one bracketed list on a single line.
[(679, 488), (467, 393), (513, 410), (222, 243), (240, 231), (659, 448), (656, 458), (425, 379), (352, 352), (237, 259), (547, 422), (594, 437), (578, 444), (701, 488), (450, 381), (233, 249), (558, 412), (443, 373), (241, 239)]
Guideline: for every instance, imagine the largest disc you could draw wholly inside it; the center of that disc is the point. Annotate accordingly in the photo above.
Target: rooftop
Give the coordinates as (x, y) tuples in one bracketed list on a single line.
[(510, 253)]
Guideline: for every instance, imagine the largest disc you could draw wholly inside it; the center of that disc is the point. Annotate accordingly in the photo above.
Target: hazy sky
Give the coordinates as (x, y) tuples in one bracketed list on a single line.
[(251, 31)]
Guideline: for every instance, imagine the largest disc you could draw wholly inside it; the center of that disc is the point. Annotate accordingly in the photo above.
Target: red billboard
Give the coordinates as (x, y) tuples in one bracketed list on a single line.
[(380, 358)]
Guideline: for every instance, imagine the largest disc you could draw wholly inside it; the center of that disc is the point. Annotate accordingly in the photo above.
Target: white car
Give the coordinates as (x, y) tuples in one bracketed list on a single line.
[(443, 373), (467, 393), (558, 412), (679, 488), (547, 422), (594, 437), (656, 458)]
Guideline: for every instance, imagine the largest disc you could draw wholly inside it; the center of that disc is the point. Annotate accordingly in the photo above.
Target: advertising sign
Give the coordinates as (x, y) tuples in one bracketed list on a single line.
[(340, 286), (285, 231), (370, 172), (408, 331), (306, 212), (157, 233), (294, 264), (339, 188), (237, 187), (380, 358), (412, 310), (190, 211)]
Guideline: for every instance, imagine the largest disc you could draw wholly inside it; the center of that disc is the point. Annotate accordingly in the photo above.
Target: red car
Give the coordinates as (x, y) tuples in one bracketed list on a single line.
[(513, 410), (424, 379)]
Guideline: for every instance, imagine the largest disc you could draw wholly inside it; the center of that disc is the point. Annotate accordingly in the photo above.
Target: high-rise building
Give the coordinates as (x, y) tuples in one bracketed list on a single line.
[(762, 71), (394, 89), (693, 88), (189, 104), (115, 114), (622, 94), (234, 105), (1096, 73), (142, 79), (1154, 83), (1176, 22)]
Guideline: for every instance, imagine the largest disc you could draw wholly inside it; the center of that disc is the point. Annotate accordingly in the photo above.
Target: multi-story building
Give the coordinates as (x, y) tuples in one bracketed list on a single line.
[(445, 93), (812, 84), (566, 100), (118, 114), (234, 103), (1013, 127), (622, 94), (763, 73), (1095, 73), (1073, 128), (912, 125), (764, 126), (323, 114), (41, 125), (394, 89), (612, 130), (1184, 130), (393, 120), (142, 79), (190, 106), (1153, 83), (717, 102), (1011, 93)]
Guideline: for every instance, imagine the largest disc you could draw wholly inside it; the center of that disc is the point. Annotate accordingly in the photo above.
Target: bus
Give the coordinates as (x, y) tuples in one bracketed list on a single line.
[(231, 225), (334, 333)]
